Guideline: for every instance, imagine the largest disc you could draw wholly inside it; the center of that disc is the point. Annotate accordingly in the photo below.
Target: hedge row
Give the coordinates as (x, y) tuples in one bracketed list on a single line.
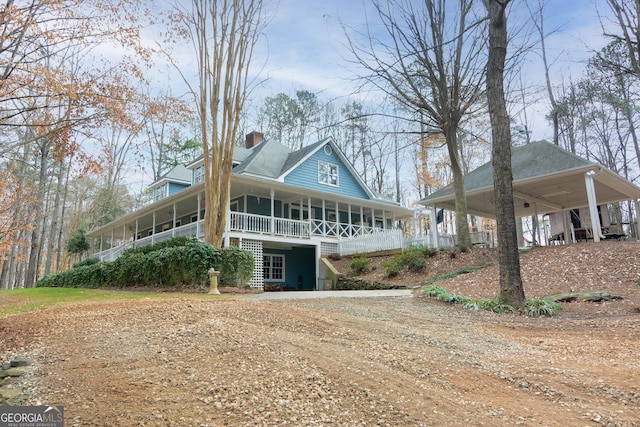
[(179, 262)]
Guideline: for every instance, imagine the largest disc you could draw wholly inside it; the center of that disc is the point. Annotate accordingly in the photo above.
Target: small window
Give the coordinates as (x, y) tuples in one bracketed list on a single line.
[(198, 174), (178, 223), (194, 218), (328, 150), (327, 173), (160, 192), (273, 267)]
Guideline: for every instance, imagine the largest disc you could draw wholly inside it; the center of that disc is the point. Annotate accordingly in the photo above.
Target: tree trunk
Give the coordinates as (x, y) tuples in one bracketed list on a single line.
[(36, 241), (511, 291), (56, 216), (462, 225)]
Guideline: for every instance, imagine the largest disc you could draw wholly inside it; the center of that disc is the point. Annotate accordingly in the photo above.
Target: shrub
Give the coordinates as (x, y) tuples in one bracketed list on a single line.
[(85, 262), (413, 259), (177, 262), (392, 267), (360, 264), (236, 266), (89, 276)]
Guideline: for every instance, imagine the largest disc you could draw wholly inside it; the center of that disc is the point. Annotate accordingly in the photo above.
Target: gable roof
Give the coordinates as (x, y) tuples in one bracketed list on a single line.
[(546, 178)]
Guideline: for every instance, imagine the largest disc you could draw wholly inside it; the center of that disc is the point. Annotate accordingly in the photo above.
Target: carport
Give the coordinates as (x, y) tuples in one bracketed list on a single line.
[(546, 179)]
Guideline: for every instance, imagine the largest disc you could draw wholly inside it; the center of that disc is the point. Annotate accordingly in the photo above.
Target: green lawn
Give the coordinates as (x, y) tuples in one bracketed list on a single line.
[(25, 300)]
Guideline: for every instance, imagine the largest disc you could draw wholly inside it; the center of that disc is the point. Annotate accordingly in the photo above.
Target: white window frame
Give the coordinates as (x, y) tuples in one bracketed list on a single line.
[(268, 271), (198, 174), (328, 173), (161, 192)]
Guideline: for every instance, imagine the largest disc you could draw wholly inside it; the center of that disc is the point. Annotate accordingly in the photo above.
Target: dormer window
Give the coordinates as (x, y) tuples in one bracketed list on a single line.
[(327, 173), (160, 193), (198, 174)]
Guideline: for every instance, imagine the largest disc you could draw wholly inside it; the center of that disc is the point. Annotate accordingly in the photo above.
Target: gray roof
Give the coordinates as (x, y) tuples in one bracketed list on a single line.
[(546, 179), (177, 174), (533, 160), (265, 159)]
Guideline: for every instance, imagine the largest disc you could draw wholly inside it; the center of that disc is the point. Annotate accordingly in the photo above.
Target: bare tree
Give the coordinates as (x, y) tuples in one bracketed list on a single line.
[(432, 64), (224, 34), (626, 14), (511, 291)]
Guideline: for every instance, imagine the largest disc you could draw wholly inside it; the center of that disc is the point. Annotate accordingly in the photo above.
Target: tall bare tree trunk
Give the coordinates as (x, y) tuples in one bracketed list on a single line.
[(36, 237), (511, 291)]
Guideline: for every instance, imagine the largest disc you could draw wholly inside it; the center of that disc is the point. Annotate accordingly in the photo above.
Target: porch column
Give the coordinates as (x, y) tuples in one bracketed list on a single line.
[(310, 217), (101, 243), (593, 206), (153, 228), (384, 220), (135, 237), (112, 238), (338, 231), (433, 227), (173, 227), (373, 218), (198, 216), (227, 224), (361, 217), (324, 212), (124, 234), (272, 193)]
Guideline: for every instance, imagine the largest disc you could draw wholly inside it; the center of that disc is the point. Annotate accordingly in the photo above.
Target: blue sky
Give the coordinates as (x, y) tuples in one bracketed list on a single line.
[(306, 46)]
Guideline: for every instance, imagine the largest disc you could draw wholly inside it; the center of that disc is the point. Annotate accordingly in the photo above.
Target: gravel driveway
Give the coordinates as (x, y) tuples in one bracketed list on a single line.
[(389, 361)]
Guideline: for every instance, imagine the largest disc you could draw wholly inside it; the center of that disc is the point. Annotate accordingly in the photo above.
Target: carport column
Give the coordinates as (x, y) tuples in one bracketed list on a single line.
[(593, 205), (568, 235)]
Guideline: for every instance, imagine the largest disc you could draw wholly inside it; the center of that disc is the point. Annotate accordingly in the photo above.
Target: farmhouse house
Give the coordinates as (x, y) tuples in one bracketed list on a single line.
[(290, 208)]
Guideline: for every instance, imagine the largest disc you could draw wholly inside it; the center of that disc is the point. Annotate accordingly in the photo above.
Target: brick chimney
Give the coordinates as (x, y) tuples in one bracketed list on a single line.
[(252, 139)]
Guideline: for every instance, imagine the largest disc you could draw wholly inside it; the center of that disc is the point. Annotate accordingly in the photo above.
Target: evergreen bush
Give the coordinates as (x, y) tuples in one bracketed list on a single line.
[(360, 264), (179, 262)]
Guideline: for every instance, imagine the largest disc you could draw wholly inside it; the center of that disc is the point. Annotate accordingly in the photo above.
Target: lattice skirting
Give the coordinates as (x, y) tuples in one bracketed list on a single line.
[(255, 246), (328, 248)]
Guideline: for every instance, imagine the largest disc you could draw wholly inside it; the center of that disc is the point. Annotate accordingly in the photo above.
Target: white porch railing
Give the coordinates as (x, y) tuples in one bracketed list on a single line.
[(342, 230), (381, 241), (261, 224)]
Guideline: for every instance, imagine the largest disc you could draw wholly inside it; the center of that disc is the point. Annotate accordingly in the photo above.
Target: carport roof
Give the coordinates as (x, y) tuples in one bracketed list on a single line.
[(546, 179)]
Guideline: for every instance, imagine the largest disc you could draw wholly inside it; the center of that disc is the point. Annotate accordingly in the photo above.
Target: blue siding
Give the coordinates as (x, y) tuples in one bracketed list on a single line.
[(306, 175), (262, 206), (299, 268), (174, 187)]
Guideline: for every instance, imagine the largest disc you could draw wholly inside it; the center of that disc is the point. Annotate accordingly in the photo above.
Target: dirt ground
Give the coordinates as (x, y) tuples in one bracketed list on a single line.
[(401, 361)]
